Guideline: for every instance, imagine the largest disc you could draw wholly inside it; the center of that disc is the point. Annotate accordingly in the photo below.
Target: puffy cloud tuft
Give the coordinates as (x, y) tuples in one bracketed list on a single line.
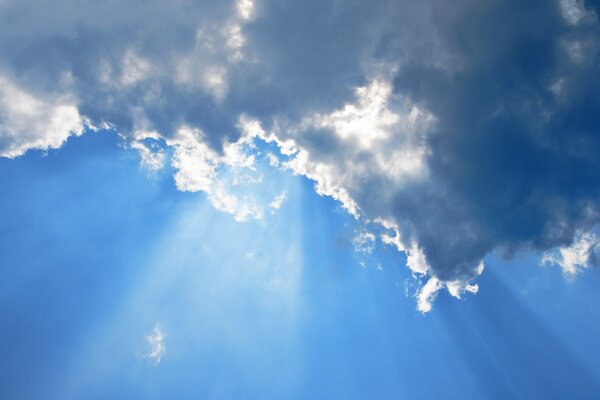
[(28, 121), (582, 253)]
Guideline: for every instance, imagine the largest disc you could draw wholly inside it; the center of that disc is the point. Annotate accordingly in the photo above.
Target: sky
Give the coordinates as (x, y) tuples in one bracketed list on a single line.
[(294, 200)]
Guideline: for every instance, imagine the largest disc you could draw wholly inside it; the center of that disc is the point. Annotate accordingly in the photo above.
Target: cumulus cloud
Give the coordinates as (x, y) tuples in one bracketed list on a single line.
[(378, 136), (460, 129)]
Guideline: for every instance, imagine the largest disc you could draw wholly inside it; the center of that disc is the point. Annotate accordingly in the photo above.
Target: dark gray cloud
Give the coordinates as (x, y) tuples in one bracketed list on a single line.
[(514, 153), (498, 100)]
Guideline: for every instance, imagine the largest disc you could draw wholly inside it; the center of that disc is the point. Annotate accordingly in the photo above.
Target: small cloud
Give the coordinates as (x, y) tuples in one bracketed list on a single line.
[(364, 242), (157, 346), (245, 9), (426, 296), (278, 201), (152, 156), (583, 252), (273, 160), (574, 12)]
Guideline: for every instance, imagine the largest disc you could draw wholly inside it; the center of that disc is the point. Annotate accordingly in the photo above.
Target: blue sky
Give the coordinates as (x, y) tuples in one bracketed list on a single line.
[(97, 252), (299, 199)]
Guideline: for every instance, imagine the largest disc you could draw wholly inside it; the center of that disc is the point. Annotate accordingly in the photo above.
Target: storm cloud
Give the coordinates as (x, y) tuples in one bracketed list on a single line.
[(461, 128)]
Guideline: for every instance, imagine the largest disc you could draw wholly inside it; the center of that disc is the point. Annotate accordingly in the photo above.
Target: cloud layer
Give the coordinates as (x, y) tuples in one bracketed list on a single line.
[(460, 128)]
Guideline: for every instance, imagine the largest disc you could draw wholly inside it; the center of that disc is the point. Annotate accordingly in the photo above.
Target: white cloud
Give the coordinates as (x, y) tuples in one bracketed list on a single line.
[(365, 122), (152, 155), (156, 342), (198, 168), (576, 256), (325, 177), (31, 122), (379, 139), (381, 136), (417, 263), (245, 9), (427, 294), (242, 208), (218, 47), (153, 159), (278, 201), (574, 12), (251, 128), (456, 288), (134, 68), (415, 258), (364, 242), (389, 133), (201, 69), (194, 161), (214, 79)]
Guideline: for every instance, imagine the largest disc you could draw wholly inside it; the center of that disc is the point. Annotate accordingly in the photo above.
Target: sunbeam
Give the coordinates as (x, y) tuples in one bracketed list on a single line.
[(320, 199)]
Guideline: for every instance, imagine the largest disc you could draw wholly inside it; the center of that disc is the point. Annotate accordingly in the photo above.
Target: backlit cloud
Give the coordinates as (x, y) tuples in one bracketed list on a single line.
[(457, 129)]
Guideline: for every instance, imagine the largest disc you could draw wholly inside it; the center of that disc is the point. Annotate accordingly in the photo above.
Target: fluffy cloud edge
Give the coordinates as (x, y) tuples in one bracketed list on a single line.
[(31, 122), (197, 165), (572, 259)]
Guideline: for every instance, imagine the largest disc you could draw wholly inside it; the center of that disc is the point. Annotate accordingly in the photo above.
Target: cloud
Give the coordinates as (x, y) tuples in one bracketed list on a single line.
[(152, 155), (455, 134), (582, 253), (375, 138), (364, 242), (200, 168), (511, 160), (156, 342), (30, 122), (427, 294), (574, 12), (278, 201), (456, 288)]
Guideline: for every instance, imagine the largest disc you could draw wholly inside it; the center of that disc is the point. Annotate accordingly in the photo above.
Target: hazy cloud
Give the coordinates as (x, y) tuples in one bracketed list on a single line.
[(156, 343)]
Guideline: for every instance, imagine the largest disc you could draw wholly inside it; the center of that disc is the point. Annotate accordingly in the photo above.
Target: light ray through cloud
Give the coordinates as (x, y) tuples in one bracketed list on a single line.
[(299, 200)]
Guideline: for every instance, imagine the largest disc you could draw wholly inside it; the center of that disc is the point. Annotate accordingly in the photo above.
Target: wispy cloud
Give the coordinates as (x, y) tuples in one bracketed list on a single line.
[(278, 201), (584, 252), (156, 343)]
